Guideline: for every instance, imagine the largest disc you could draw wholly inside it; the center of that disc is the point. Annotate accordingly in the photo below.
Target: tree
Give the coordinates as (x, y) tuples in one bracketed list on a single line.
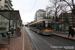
[(71, 5), (55, 8)]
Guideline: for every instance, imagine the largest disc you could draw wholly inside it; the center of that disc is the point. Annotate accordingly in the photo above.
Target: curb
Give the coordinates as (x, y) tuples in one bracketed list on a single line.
[(64, 37)]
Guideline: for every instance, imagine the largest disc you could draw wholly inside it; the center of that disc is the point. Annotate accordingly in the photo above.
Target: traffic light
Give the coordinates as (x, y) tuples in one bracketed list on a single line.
[(73, 11)]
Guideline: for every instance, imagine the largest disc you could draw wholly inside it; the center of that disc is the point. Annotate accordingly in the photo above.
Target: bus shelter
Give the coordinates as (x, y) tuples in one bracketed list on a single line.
[(8, 18), (61, 27)]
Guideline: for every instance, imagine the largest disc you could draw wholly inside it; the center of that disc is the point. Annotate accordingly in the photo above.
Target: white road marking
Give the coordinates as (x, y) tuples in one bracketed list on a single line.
[(28, 42), (23, 41)]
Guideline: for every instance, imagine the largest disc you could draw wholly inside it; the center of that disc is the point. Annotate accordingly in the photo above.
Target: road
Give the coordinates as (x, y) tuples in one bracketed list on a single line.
[(52, 42)]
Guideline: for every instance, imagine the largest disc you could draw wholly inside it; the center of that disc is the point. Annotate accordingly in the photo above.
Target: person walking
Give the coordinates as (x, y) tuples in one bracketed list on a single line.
[(74, 30), (71, 31)]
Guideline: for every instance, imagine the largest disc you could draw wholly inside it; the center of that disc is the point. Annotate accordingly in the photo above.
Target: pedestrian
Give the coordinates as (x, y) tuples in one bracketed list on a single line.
[(71, 31), (18, 31), (74, 30), (11, 30)]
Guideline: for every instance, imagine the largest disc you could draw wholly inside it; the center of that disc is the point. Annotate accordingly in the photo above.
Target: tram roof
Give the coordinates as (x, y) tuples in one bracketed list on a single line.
[(41, 21)]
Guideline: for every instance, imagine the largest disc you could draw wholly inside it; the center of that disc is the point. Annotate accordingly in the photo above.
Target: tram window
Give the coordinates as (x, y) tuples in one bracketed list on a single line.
[(37, 26), (48, 26)]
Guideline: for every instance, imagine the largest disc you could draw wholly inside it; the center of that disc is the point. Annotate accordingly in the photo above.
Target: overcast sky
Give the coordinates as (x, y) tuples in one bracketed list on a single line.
[(28, 9)]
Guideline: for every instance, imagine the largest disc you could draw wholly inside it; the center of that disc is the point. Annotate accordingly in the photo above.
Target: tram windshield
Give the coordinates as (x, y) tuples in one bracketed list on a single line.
[(48, 26)]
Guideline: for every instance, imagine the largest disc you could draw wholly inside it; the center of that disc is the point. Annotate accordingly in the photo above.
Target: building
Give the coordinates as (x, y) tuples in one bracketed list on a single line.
[(6, 5), (67, 18), (39, 15)]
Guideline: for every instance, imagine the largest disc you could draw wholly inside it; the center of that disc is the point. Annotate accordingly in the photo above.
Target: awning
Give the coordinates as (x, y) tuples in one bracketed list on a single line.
[(11, 14)]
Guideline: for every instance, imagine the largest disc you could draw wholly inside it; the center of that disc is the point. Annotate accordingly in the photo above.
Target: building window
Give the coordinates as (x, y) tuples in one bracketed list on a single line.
[(6, 6), (6, 1)]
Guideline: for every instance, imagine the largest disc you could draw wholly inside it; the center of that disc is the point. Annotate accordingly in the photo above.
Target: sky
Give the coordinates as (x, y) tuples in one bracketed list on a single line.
[(28, 8)]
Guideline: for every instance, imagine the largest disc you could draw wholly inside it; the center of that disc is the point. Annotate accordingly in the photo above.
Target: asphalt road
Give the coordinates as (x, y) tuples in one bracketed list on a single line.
[(52, 42)]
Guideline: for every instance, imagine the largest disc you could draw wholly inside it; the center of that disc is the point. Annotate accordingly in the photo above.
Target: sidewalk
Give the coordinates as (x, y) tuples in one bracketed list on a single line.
[(64, 36), (18, 43)]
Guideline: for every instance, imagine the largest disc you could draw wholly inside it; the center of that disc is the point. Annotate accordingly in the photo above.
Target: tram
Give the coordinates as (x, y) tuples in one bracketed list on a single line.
[(42, 27)]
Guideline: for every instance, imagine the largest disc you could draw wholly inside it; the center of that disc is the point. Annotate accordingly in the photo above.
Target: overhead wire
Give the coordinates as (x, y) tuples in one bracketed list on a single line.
[(33, 6)]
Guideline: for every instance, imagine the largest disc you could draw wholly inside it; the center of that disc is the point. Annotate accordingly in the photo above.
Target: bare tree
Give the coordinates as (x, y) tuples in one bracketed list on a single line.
[(48, 12), (55, 8), (71, 4)]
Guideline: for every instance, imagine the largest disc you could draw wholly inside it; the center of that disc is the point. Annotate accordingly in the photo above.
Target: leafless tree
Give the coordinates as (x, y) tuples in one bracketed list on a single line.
[(53, 8), (56, 7), (71, 4)]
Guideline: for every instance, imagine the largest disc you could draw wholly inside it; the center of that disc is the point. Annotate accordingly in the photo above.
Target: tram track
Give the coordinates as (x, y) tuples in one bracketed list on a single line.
[(42, 42)]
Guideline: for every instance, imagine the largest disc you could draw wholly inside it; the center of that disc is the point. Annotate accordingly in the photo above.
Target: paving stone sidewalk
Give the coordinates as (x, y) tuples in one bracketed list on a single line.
[(18, 43), (64, 36)]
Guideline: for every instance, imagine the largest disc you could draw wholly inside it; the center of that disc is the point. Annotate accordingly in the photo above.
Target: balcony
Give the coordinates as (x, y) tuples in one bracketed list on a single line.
[(10, 2), (5, 8), (5, 3)]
